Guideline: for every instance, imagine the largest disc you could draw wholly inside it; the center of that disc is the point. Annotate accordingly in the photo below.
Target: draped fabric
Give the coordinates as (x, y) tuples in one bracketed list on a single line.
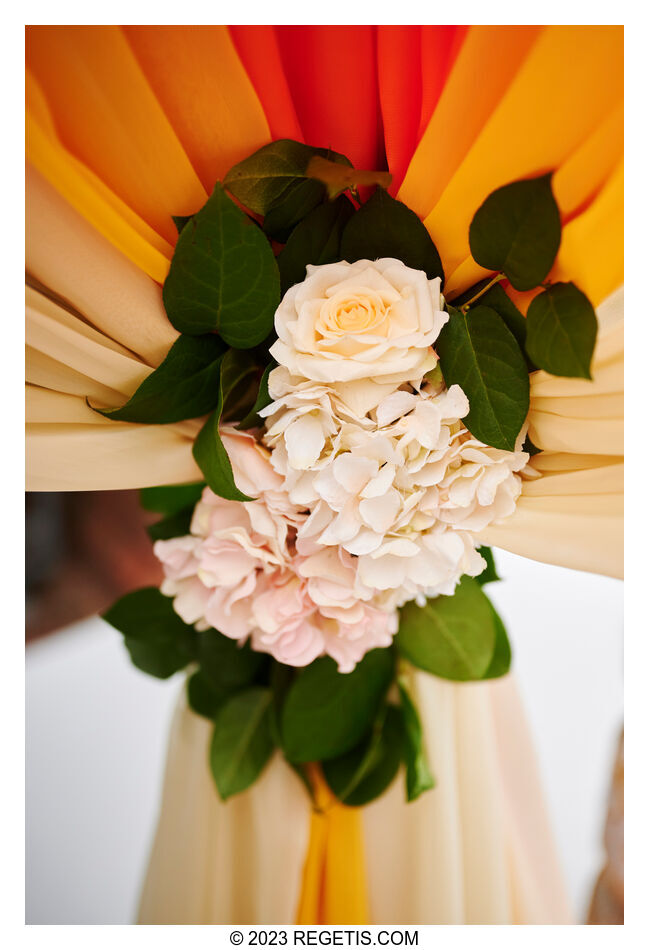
[(477, 849), (129, 126)]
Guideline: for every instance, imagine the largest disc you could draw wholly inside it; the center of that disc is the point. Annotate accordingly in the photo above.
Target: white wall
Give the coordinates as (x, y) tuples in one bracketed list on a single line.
[(96, 734)]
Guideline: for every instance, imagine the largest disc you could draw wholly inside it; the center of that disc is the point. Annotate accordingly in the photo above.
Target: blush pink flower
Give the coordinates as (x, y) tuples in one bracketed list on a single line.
[(239, 572)]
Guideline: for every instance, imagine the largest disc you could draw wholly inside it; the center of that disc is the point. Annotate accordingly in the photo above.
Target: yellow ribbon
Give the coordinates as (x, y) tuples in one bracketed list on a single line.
[(334, 887)]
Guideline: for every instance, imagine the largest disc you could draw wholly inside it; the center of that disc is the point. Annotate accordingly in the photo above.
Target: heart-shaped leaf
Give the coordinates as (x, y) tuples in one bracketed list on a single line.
[(223, 276), (452, 637), (479, 353), (385, 227), (326, 713), (517, 230), (561, 331)]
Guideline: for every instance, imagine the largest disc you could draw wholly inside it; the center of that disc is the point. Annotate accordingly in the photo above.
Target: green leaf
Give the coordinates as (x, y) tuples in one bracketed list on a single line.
[(175, 526), (385, 227), (225, 664), (530, 448), (270, 174), (202, 697), (452, 637), (502, 655), (171, 499), (490, 573), (159, 642), (498, 300), (241, 740), (212, 459), (561, 331), (419, 778), (365, 772), (223, 276), (184, 386), (252, 420), (180, 220), (316, 240), (327, 713), (301, 197), (517, 230), (480, 354), (237, 378)]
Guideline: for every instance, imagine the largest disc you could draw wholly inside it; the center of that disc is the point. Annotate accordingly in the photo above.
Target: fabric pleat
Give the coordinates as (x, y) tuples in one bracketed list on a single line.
[(476, 849), (259, 50), (413, 63), (108, 116), (572, 514), (331, 71), (205, 92), (229, 863)]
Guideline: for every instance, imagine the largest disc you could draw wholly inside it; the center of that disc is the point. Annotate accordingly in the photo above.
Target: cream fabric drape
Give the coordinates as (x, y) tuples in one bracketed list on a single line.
[(476, 849), (572, 515)]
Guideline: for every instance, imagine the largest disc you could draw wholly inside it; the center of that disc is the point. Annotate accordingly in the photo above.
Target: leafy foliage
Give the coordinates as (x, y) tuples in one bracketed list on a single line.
[(212, 458), (452, 637), (326, 714), (490, 573), (171, 499), (251, 419), (270, 177), (562, 329), (158, 641), (517, 230), (385, 227), (359, 776), (241, 741), (502, 655), (223, 276), (184, 386), (316, 240), (479, 353), (419, 778)]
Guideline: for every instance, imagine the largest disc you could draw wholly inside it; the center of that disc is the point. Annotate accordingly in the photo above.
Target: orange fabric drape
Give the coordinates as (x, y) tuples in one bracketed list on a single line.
[(413, 63), (331, 71), (108, 117), (260, 54), (334, 886), (205, 92)]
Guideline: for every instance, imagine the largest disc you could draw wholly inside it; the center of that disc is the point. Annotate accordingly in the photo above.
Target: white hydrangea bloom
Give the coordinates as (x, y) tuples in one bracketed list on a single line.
[(401, 488)]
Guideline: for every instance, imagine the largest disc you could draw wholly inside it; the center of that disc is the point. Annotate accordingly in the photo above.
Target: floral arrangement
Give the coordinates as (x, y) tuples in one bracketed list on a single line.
[(360, 431)]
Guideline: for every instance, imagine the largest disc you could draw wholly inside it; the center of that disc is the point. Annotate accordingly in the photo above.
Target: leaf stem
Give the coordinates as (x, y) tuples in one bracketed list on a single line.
[(494, 280)]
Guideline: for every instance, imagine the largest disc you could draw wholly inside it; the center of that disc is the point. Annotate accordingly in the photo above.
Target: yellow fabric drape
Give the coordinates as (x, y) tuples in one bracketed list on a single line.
[(557, 106), (103, 210), (334, 889)]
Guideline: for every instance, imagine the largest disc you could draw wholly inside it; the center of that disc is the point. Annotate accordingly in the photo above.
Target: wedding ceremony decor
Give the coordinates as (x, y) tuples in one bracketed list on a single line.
[(343, 353)]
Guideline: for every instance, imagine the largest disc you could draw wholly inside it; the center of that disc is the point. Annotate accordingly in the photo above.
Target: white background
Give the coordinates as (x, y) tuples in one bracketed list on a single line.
[(96, 737)]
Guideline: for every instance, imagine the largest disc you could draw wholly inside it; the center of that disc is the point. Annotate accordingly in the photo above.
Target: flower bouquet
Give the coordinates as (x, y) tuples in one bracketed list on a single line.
[(361, 432)]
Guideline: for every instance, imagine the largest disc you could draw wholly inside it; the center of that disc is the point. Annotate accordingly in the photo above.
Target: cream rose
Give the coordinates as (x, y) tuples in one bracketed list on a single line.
[(362, 328)]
